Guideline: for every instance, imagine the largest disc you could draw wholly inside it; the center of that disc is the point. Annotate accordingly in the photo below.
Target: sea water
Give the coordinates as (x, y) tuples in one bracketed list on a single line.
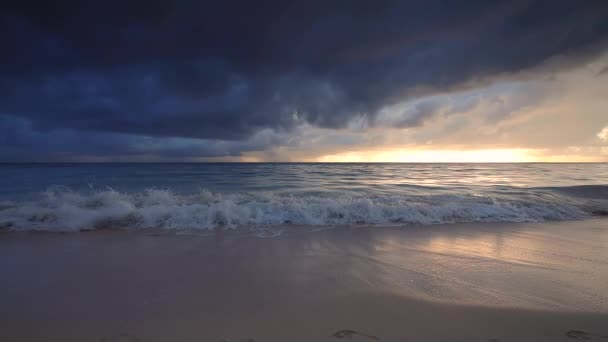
[(191, 196)]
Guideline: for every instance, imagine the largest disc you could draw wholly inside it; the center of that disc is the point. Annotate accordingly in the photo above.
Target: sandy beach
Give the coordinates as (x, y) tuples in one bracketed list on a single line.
[(464, 282)]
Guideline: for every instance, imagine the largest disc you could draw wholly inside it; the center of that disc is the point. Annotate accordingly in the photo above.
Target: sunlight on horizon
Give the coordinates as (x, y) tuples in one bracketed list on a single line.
[(444, 156)]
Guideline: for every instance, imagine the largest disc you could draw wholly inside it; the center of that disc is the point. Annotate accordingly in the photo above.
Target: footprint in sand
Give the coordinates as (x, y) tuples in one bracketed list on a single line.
[(578, 335), (120, 338), (582, 335), (350, 333)]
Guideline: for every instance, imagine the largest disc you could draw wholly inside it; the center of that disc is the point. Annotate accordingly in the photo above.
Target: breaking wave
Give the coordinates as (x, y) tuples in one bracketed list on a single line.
[(61, 209)]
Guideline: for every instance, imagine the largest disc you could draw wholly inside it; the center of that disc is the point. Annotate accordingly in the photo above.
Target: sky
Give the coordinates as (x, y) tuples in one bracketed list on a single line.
[(326, 81)]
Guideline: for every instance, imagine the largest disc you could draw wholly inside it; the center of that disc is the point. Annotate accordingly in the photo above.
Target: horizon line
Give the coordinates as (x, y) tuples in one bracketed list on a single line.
[(294, 162)]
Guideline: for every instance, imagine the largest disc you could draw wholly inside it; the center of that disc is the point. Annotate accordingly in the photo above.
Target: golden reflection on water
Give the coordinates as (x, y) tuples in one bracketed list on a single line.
[(448, 175)]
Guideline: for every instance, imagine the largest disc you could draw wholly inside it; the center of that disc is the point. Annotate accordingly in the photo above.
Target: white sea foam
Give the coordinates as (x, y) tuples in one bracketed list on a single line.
[(60, 209)]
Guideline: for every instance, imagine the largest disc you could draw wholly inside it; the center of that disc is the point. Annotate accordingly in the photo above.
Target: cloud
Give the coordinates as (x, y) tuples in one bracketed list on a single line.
[(21, 143), (413, 115), (603, 134), (545, 114), (219, 74)]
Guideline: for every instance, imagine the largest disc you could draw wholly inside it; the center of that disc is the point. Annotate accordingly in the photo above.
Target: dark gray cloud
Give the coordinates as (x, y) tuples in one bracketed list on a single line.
[(21, 143), (413, 116), (224, 71)]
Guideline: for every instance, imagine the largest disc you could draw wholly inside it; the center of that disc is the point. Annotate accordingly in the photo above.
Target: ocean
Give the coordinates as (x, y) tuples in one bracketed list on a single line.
[(260, 196)]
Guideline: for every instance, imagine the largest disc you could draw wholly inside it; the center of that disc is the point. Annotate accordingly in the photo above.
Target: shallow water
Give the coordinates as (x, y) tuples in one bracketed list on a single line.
[(67, 197)]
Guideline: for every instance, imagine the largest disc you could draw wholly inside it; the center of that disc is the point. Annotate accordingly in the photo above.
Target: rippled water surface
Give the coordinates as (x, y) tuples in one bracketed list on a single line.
[(193, 196)]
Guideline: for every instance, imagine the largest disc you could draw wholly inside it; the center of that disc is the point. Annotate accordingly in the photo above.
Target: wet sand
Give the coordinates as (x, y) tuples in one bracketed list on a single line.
[(475, 282)]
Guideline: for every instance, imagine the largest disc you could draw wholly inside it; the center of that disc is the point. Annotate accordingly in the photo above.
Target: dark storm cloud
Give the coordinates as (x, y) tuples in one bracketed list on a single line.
[(21, 143), (226, 70)]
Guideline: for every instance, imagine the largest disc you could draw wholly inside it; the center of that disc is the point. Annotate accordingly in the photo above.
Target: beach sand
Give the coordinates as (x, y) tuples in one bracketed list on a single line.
[(465, 282)]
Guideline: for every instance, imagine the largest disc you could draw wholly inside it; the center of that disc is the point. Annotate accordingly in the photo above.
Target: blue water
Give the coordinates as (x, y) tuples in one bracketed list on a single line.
[(68, 197)]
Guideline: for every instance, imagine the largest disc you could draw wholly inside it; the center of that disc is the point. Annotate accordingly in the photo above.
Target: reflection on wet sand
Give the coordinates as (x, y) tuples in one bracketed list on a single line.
[(541, 266), (479, 281)]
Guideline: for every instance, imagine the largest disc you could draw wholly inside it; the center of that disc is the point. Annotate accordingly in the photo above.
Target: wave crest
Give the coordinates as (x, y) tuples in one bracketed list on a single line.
[(60, 209)]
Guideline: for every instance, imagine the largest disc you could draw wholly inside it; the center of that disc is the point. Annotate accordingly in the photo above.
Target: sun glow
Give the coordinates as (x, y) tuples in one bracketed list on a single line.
[(429, 156)]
